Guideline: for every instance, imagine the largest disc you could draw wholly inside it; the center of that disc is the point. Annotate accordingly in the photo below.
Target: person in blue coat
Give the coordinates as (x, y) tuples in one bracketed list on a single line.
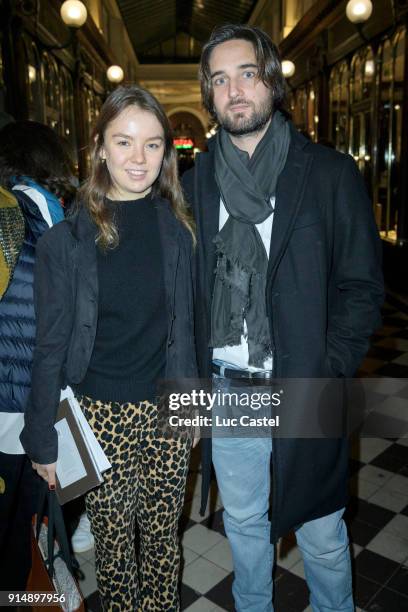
[(36, 181)]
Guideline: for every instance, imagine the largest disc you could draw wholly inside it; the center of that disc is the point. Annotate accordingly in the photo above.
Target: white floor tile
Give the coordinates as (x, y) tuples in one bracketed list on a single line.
[(202, 575), (366, 449), (398, 526), (362, 488), (375, 475), (200, 539), (188, 555), (389, 546), (88, 585), (298, 569), (395, 407), (398, 483), (287, 555), (401, 360), (355, 549), (392, 500), (386, 385), (220, 554)]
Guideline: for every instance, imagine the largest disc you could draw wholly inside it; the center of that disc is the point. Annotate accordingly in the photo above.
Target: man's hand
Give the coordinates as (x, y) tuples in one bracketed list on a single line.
[(46, 471)]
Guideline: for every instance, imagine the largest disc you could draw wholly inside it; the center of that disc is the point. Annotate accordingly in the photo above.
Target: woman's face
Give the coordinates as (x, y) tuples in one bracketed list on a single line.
[(133, 149)]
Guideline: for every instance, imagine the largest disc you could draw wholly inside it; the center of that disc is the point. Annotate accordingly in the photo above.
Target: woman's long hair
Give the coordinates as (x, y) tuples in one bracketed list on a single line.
[(167, 185), (34, 150)]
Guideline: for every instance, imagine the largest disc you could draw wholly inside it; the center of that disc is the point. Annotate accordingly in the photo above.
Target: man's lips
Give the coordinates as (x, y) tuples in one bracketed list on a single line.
[(238, 107)]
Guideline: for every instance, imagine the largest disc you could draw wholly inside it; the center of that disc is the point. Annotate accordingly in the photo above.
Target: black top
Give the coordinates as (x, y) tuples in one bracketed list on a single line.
[(129, 351)]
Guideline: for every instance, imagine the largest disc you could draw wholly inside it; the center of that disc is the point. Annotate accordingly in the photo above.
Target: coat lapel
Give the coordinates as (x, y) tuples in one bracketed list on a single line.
[(208, 217), (289, 194), (85, 232)]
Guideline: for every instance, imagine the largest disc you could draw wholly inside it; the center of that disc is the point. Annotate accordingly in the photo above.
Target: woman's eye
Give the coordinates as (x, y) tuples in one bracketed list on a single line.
[(123, 143), (249, 74), (153, 145)]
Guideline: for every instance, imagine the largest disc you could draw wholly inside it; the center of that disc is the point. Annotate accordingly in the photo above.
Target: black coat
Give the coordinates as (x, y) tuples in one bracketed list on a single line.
[(323, 297), (66, 305)]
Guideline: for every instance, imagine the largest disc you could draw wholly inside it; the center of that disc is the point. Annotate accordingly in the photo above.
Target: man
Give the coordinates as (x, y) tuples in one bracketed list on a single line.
[(287, 226)]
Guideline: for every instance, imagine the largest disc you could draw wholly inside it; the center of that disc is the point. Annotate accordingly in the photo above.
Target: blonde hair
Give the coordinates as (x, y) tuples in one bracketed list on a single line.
[(167, 185)]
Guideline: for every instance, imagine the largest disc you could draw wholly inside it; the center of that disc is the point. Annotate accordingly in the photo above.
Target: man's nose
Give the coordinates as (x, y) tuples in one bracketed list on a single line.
[(235, 88)]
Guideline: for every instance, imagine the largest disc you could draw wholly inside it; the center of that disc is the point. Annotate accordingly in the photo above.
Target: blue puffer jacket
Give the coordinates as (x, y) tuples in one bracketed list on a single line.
[(17, 318)]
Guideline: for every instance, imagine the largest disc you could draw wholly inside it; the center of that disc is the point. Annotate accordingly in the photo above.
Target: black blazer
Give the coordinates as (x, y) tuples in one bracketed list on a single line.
[(323, 297), (66, 306)]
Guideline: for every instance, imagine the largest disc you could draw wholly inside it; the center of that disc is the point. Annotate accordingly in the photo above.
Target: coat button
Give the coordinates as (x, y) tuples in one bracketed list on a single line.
[(170, 342)]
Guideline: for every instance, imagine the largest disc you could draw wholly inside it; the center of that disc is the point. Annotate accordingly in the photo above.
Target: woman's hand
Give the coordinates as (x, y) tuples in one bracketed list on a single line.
[(46, 471)]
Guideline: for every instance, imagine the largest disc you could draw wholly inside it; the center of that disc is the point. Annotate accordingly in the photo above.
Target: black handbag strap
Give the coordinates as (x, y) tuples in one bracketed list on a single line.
[(56, 528)]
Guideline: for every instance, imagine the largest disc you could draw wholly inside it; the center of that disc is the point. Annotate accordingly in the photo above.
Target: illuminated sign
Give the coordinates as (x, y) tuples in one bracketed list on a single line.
[(183, 143)]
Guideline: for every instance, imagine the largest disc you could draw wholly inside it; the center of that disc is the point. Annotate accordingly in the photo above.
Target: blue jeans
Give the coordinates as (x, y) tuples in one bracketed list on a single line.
[(242, 467)]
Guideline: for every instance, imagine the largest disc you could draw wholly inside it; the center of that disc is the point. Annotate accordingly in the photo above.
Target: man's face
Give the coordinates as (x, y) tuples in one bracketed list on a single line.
[(242, 102)]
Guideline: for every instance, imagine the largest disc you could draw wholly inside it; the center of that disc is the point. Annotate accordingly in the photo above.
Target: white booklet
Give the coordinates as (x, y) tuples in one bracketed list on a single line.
[(81, 459)]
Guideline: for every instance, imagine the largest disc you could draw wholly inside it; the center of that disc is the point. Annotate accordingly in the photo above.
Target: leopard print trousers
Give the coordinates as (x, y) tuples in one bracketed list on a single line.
[(146, 484)]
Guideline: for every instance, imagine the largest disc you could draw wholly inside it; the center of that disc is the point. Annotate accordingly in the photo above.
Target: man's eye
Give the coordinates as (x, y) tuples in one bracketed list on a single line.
[(219, 81), (249, 74)]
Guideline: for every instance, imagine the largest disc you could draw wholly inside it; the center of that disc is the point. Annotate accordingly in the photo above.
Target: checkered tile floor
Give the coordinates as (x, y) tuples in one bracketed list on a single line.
[(377, 515)]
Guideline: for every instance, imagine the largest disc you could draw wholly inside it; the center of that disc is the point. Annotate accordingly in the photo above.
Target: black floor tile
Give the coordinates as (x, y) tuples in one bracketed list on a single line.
[(395, 321), (401, 333), (215, 522), (392, 370), (394, 458), (375, 567), (386, 354), (364, 591), (185, 523), (93, 603), (399, 582), (187, 596), (388, 601), (221, 594), (354, 466), (362, 533), (361, 510), (403, 392), (290, 594)]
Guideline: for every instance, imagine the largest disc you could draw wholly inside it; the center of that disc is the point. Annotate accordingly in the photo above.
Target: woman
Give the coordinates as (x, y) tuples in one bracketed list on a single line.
[(114, 301), (36, 180)]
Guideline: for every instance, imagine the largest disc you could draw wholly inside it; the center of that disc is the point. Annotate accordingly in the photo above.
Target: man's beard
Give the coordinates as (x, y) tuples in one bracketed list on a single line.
[(242, 126)]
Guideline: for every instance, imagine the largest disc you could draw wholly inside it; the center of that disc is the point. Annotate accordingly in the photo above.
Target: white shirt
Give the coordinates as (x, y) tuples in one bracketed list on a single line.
[(237, 356)]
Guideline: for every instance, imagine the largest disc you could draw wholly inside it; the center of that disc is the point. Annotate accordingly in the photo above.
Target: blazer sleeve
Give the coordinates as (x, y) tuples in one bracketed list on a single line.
[(53, 310), (357, 280)]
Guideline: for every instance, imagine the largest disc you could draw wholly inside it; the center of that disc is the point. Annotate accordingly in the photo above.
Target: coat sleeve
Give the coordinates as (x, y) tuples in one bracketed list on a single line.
[(53, 310), (357, 288)]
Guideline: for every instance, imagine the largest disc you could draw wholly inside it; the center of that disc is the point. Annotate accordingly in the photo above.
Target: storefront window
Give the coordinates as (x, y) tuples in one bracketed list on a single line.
[(67, 125), (390, 129), (34, 81), (51, 91)]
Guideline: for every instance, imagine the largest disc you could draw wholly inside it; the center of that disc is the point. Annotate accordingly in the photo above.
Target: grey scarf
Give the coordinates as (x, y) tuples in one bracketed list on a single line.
[(240, 278)]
